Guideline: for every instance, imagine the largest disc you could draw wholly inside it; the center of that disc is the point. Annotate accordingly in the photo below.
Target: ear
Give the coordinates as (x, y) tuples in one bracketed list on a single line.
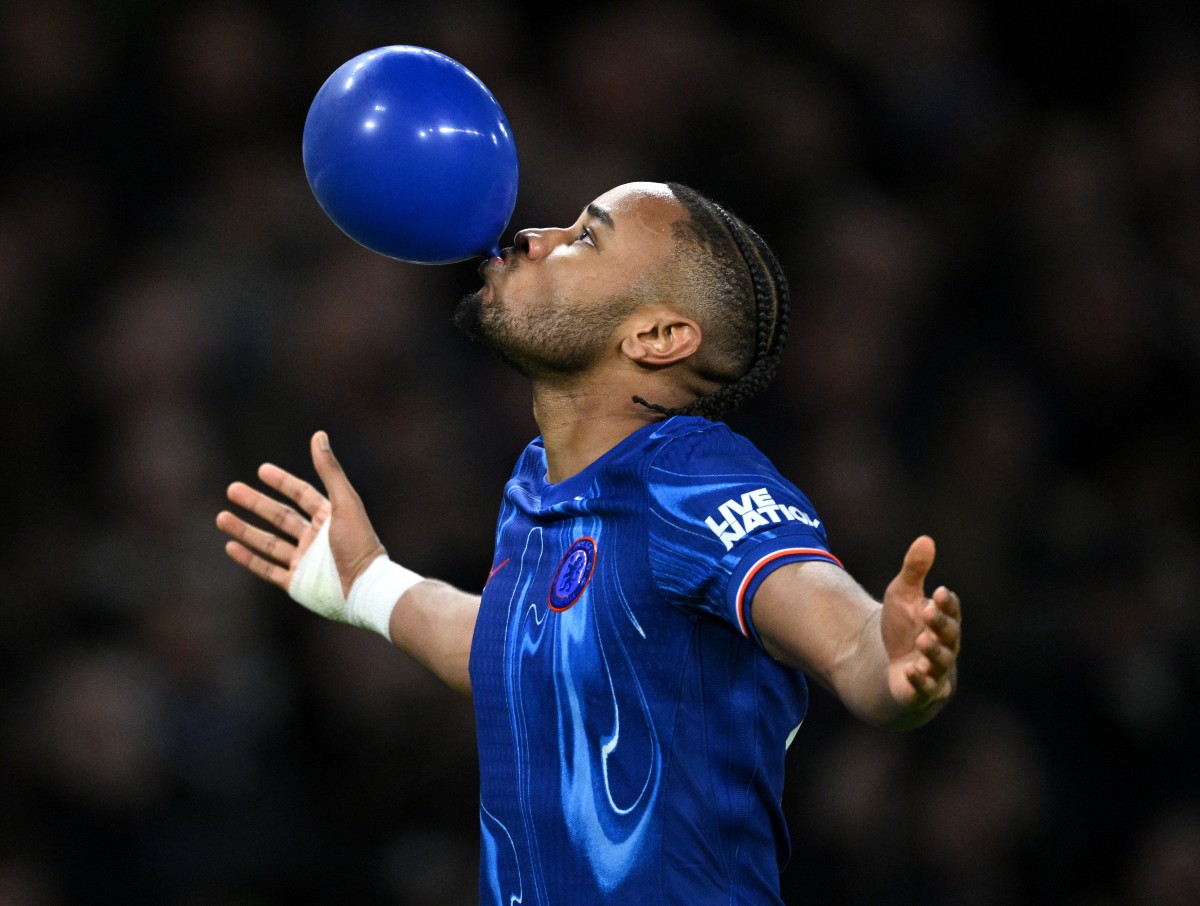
[(660, 337)]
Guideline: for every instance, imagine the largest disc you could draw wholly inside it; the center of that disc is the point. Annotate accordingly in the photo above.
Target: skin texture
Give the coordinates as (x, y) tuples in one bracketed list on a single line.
[(587, 312)]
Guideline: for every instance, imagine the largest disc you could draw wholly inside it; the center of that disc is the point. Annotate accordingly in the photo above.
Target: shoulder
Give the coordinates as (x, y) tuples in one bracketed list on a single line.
[(696, 447), (711, 476)]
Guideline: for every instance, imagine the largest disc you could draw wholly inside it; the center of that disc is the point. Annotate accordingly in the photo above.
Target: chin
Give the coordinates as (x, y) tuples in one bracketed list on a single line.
[(468, 315)]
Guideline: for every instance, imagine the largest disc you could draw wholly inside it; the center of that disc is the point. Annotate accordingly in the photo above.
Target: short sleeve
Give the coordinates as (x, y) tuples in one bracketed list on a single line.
[(721, 520)]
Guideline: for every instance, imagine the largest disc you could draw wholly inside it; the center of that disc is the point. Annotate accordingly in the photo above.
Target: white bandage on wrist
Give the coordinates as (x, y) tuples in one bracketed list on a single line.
[(317, 585), (374, 594)]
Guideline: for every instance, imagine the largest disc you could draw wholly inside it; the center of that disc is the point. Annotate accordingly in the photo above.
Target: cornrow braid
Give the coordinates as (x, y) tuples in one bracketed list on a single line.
[(732, 241)]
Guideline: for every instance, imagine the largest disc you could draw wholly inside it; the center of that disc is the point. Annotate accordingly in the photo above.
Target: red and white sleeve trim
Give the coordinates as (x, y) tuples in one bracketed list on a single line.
[(805, 553)]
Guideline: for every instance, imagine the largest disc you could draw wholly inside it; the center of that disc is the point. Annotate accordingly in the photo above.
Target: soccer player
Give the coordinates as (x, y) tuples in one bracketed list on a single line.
[(659, 591)]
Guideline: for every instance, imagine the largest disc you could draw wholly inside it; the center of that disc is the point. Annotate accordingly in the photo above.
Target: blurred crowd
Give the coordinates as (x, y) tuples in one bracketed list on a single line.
[(990, 214)]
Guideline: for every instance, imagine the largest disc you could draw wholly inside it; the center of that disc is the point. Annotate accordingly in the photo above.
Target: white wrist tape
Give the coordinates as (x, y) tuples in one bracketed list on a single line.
[(317, 585), (374, 594)]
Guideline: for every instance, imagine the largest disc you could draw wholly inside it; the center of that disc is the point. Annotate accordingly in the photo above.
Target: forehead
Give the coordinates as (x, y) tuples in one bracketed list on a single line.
[(643, 205)]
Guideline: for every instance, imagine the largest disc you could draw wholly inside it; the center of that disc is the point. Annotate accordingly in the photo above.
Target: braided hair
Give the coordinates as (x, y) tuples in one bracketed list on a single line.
[(737, 283)]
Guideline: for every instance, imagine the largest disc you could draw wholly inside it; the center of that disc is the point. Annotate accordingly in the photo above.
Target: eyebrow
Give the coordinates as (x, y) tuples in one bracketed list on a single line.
[(602, 215)]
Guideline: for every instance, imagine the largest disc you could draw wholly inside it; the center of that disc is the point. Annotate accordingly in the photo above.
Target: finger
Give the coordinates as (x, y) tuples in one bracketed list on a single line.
[(948, 602), (927, 686), (919, 680), (946, 627), (940, 657), (264, 569), (917, 562), (270, 510), (341, 492), (261, 542), (299, 491)]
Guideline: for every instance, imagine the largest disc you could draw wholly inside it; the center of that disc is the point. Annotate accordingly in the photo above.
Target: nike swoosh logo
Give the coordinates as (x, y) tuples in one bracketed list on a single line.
[(496, 569)]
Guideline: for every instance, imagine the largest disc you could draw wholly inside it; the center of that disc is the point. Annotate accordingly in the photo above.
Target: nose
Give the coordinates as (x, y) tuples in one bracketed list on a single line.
[(536, 244)]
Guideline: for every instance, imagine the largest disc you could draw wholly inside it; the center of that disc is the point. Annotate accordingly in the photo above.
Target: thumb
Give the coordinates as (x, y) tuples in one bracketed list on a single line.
[(918, 561), (337, 485)]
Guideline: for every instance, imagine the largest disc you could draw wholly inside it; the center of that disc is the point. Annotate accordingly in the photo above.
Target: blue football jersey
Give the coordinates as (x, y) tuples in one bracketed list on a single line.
[(631, 729)]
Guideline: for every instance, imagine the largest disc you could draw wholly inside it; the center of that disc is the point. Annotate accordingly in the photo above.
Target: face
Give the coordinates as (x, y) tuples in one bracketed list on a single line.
[(551, 304)]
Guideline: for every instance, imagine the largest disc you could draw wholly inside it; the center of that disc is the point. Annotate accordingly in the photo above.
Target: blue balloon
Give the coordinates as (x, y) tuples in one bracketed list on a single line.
[(410, 155)]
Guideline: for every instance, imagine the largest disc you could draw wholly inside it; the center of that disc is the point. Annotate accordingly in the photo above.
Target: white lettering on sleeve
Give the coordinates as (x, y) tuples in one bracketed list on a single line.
[(753, 510)]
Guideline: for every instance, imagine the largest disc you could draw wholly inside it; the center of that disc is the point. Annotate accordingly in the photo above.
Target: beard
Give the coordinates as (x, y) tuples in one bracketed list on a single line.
[(560, 340), (468, 316)]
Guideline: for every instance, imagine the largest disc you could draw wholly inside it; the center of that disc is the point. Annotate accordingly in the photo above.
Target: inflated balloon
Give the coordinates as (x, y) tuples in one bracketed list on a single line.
[(410, 155)]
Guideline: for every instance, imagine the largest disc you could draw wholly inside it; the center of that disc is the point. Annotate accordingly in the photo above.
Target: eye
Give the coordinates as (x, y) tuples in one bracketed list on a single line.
[(586, 236)]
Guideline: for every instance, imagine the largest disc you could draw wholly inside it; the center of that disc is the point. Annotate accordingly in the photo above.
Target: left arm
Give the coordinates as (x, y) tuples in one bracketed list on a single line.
[(892, 663)]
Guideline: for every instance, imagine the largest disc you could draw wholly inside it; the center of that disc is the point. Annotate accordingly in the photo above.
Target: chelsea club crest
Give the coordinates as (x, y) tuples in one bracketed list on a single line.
[(573, 574)]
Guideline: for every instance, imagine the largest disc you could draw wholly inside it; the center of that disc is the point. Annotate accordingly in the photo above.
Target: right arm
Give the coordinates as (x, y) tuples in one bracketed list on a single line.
[(429, 620)]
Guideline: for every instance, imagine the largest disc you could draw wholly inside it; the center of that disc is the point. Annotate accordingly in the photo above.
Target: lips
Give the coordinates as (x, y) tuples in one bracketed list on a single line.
[(494, 263)]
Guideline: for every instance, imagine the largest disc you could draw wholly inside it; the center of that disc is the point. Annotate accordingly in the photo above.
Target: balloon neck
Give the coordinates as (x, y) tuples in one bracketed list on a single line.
[(493, 250)]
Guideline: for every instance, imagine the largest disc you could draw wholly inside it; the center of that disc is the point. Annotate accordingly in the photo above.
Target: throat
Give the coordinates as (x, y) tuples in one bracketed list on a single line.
[(578, 428)]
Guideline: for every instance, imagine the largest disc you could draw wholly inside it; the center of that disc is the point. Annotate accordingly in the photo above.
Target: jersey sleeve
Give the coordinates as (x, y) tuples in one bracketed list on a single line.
[(721, 519)]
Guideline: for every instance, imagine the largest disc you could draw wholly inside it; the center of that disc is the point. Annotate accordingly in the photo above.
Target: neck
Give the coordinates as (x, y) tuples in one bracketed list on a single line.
[(580, 424)]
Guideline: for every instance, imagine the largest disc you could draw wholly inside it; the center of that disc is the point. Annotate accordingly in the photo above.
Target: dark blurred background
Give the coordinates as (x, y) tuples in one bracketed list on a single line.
[(990, 213)]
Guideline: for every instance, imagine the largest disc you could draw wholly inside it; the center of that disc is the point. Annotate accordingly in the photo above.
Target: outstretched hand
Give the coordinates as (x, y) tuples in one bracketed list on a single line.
[(274, 554), (921, 634)]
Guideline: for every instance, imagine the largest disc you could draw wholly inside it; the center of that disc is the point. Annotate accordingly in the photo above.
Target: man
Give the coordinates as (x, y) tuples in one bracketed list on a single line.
[(658, 591)]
